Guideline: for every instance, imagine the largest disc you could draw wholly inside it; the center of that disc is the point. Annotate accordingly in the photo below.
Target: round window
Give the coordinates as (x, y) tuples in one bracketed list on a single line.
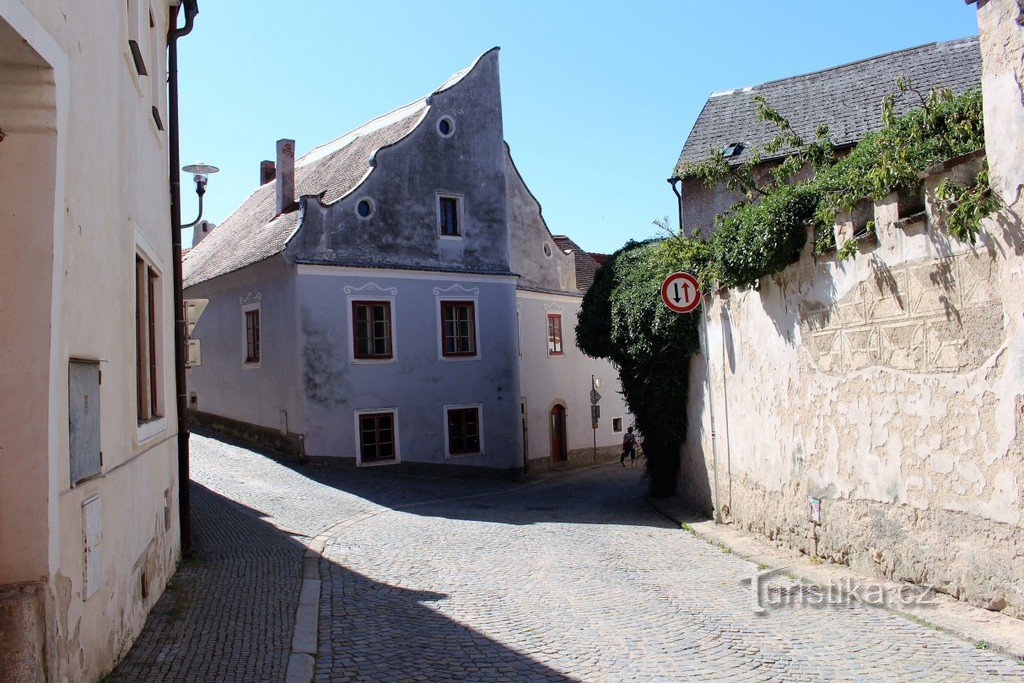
[(547, 249), (364, 208), (445, 126)]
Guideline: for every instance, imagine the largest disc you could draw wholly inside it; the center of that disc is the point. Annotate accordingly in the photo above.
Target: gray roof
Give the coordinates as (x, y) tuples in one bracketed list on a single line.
[(254, 231), (586, 266), (848, 98)]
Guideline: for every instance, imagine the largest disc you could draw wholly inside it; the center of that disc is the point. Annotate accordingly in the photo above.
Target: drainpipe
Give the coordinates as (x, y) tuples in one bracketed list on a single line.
[(184, 505), (727, 315), (676, 182), (705, 313)]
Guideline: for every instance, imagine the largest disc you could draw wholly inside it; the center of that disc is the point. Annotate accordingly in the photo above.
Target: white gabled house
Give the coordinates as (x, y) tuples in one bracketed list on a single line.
[(394, 297)]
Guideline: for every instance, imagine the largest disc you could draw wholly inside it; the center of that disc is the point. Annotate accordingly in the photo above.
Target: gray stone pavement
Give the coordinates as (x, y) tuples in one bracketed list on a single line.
[(573, 577)]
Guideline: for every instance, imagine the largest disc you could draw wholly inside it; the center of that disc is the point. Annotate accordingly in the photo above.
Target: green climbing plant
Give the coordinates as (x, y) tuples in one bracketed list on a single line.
[(787, 186)]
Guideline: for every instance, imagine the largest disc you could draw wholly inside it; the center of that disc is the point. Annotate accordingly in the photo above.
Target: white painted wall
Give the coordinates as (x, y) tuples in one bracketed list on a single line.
[(546, 380), (86, 162)]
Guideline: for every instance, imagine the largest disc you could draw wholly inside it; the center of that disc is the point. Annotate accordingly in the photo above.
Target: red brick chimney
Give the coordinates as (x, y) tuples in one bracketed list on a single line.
[(267, 172)]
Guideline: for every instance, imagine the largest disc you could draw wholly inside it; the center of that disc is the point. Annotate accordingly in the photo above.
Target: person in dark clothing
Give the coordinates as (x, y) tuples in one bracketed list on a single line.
[(628, 447)]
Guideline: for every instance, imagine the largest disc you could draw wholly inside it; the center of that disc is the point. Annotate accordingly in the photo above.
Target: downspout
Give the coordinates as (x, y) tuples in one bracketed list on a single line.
[(173, 33), (675, 182)]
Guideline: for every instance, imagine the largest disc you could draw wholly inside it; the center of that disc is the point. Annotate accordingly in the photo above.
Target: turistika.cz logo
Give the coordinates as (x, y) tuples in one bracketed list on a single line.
[(772, 589)]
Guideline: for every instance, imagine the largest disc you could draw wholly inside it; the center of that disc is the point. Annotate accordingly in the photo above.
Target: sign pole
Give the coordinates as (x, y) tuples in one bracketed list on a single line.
[(593, 423)]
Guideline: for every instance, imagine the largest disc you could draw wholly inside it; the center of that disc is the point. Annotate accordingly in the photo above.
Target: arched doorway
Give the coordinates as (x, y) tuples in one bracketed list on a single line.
[(559, 450)]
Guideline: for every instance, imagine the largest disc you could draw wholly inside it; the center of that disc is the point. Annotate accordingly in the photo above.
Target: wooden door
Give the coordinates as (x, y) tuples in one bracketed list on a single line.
[(558, 437)]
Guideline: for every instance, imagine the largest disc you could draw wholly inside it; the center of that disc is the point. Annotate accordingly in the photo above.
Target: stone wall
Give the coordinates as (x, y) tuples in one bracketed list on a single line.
[(891, 385)]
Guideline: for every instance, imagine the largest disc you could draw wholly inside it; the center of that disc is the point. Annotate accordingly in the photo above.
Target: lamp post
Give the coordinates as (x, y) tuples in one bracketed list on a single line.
[(201, 175)]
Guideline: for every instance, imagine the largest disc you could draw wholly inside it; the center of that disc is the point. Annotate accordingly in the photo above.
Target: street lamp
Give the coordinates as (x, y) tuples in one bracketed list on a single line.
[(201, 173)]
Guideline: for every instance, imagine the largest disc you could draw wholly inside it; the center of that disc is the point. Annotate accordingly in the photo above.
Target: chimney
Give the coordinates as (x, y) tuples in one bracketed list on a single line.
[(267, 172), (200, 231), (285, 174)]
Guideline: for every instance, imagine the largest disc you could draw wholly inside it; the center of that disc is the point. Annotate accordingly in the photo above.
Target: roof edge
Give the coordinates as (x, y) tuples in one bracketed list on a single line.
[(937, 43)]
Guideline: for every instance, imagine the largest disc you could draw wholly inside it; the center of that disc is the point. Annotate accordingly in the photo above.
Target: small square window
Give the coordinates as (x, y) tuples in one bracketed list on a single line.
[(555, 334), (371, 329), (463, 431), (616, 424), (458, 328), (252, 336), (377, 437), (448, 216)]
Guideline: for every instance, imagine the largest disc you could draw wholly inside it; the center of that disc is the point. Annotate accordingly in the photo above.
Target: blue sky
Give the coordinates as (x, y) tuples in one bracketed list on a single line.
[(598, 96)]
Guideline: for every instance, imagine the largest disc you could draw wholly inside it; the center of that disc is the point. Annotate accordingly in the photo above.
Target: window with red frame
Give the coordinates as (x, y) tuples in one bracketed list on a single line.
[(252, 336), (554, 334), (371, 328), (146, 334), (463, 431), (376, 437), (458, 328)]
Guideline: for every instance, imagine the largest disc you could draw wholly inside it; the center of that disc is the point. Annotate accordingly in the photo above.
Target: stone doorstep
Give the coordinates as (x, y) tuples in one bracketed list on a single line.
[(999, 632)]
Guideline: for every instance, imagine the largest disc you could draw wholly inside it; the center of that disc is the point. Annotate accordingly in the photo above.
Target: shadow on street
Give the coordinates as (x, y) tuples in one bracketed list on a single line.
[(228, 613)]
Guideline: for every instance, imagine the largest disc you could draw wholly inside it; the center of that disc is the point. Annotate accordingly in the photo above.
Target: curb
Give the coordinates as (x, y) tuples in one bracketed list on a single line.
[(1012, 647)]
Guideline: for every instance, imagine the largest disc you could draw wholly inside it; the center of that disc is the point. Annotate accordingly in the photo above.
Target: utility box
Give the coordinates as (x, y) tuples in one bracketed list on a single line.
[(84, 419)]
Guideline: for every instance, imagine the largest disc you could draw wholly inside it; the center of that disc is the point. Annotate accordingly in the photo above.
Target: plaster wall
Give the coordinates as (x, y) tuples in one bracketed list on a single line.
[(891, 385), (701, 204), (418, 382), (265, 393), (86, 109), (404, 185), (548, 380), (535, 257)]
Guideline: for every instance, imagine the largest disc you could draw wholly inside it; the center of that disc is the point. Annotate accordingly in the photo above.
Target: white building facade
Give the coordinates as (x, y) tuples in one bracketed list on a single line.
[(88, 464), (385, 300)]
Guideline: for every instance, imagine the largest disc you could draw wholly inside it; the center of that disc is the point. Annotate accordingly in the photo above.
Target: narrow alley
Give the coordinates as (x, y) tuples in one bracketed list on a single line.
[(570, 577)]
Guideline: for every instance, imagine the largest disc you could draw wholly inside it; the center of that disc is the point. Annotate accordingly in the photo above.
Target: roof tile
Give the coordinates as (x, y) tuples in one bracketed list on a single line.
[(848, 98)]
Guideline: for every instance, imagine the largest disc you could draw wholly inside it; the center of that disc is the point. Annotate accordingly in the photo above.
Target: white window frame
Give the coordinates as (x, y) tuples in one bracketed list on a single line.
[(474, 298), (444, 428), (372, 204), (621, 429), (158, 85), (389, 299), (460, 213), (155, 426), (255, 306), (547, 333), (135, 32), (451, 123), (358, 433)]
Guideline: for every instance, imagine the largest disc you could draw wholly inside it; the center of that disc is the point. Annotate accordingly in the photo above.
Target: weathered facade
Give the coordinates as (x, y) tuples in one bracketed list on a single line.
[(847, 99), (88, 474), (388, 299), (891, 384)]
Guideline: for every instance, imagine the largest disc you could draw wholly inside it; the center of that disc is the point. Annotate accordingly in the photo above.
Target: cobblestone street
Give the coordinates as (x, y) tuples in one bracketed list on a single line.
[(572, 577)]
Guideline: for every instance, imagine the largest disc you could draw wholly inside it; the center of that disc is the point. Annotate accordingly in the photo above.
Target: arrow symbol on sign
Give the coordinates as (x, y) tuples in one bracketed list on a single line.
[(675, 285), (686, 292)]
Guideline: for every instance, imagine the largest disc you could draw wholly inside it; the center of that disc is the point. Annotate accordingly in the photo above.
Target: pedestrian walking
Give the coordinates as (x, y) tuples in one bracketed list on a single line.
[(628, 447)]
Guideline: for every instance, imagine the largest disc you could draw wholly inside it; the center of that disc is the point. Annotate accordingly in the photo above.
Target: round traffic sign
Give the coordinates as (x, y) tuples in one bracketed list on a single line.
[(680, 292)]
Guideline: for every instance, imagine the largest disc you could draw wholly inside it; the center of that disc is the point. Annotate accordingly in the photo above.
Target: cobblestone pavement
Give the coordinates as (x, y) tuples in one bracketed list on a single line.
[(572, 578), (576, 578), (228, 613)]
